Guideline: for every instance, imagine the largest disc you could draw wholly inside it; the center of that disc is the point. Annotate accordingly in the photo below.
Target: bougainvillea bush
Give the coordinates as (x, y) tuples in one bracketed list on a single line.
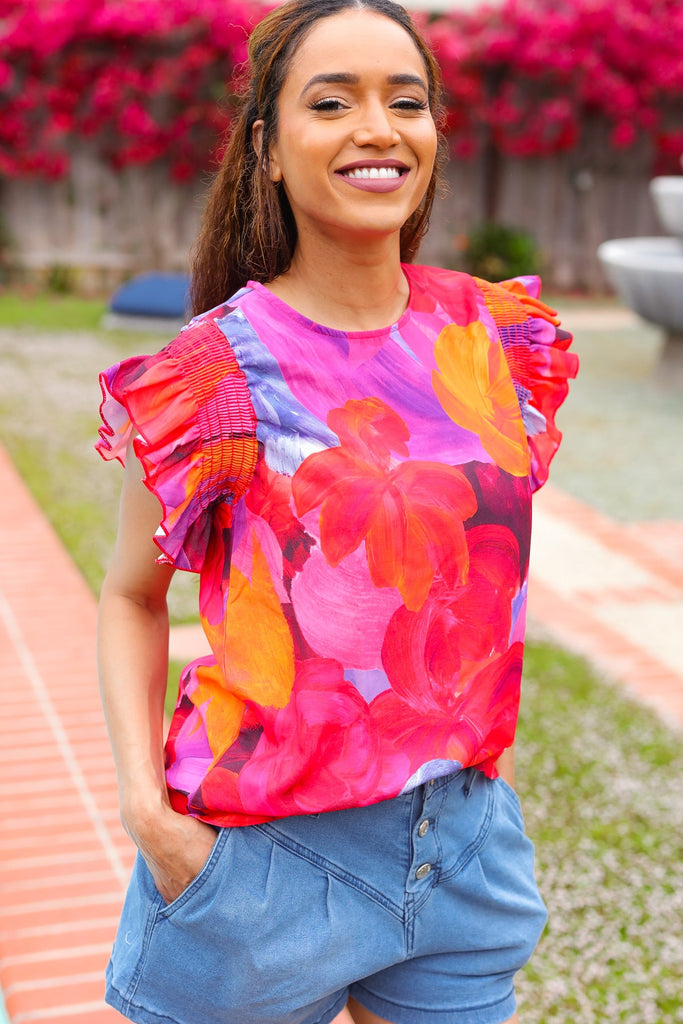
[(143, 79), (532, 73), (149, 80)]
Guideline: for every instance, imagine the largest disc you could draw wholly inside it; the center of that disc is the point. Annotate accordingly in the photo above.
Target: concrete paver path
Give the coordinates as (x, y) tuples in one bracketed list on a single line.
[(614, 593)]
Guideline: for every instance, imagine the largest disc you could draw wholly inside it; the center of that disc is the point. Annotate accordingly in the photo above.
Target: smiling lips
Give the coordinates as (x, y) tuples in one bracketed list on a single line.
[(375, 177)]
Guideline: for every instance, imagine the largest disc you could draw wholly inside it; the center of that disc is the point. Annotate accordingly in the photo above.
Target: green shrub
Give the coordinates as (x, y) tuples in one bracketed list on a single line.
[(497, 252), (60, 279)]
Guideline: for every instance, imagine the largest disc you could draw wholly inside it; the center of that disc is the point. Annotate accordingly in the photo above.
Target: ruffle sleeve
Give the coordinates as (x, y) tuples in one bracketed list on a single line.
[(189, 411), (540, 364)]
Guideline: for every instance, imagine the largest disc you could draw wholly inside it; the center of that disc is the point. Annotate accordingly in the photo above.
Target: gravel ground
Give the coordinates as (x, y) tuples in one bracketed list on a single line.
[(622, 426)]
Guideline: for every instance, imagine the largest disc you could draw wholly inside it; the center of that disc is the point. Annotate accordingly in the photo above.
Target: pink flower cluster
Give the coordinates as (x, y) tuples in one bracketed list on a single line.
[(149, 79), (144, 79), (529, 75)]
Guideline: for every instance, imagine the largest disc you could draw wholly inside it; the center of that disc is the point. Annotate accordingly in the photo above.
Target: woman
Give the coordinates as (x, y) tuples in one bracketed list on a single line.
[(328, 836)]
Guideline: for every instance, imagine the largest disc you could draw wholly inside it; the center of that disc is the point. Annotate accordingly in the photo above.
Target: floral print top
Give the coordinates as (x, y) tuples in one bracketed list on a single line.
[(358, 506)]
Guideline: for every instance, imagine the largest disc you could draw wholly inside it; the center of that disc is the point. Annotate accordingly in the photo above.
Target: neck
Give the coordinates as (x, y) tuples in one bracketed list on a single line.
[(359, 288)]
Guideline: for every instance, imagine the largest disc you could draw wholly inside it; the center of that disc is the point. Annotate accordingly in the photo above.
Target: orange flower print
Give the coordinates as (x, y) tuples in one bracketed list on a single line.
[(222, 711), (258, 662), (410, 515), (475, 388)]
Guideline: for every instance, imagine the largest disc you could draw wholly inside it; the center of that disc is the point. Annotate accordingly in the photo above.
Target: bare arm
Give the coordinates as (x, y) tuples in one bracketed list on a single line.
[(133, 667), (506, 765)]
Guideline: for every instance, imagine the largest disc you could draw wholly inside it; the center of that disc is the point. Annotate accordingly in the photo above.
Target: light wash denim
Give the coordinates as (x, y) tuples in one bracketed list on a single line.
[(422, 907)]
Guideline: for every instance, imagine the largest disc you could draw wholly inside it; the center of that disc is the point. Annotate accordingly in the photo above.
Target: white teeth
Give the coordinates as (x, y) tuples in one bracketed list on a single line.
[(373, 172)]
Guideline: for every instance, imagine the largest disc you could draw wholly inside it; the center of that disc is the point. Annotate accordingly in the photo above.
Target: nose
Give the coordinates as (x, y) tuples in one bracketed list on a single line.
[(375, 127)]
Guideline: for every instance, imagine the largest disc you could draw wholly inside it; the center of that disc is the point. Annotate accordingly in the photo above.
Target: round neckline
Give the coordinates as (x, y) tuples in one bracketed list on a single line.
[(319, 328)]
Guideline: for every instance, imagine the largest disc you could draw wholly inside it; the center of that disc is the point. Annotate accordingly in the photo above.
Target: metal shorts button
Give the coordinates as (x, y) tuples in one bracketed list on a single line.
[(423, 871), (423, 828)]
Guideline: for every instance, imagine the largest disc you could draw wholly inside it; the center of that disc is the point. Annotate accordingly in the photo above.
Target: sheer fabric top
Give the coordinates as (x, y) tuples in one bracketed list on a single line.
[(358, 506)]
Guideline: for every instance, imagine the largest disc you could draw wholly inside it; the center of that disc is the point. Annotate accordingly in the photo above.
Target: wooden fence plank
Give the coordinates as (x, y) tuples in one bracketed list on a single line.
[(108, 225)]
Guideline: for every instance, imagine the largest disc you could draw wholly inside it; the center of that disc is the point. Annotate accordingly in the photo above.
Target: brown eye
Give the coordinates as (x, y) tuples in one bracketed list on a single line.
[(329, 104), (406, 103)]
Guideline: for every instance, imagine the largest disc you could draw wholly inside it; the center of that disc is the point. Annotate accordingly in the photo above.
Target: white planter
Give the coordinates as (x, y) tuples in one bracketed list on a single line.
[(647, 273), (667, 195)]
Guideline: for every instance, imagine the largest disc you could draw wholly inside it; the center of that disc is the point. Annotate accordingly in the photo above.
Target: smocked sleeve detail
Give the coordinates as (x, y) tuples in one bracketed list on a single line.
[(189, 411), (540, 365)]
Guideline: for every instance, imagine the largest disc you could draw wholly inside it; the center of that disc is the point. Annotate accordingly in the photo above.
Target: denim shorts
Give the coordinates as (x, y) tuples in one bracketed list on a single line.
[(422, 908)]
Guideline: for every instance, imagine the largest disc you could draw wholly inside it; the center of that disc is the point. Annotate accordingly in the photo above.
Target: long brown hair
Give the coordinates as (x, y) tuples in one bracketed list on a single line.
[(248, 231)]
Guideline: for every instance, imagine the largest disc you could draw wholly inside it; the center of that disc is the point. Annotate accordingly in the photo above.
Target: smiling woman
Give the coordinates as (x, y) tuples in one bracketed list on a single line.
[(343, 445), (249, 230), (354, 152)]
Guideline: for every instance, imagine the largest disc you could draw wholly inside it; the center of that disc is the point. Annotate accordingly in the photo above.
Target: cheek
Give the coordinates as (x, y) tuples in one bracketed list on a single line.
[(299, 151), (429, 145)]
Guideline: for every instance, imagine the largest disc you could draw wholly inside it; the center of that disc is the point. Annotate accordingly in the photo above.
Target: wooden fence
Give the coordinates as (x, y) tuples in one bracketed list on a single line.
[(98, 227)]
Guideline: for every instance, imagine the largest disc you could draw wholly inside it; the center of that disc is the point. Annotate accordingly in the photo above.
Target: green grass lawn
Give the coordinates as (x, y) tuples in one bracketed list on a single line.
[(600, 782), (600, 777), (48, 311)]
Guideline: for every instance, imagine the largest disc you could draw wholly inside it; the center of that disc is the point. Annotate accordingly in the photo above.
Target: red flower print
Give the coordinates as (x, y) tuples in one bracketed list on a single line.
[(457, 293), (370, 427), (504, 499), (410, 515), (215, 571), (494, 557), (424, 651), (270, 498), (323, 750), (487, 694)]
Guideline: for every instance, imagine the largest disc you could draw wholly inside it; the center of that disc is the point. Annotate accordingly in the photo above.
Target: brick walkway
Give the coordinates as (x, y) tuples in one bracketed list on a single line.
[(64, 856), (597, 587)]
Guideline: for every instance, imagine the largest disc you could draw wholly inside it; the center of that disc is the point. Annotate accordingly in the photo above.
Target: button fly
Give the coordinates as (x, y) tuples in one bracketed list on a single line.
[(423, 828), (423, 871)]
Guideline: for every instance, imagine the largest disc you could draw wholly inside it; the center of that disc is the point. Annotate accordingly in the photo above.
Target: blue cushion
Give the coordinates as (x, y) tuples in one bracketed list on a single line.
[(154, 294)]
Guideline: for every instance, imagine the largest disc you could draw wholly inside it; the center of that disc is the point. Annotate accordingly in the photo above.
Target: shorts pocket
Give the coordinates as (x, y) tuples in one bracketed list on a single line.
[(198, 883), (509, 796)]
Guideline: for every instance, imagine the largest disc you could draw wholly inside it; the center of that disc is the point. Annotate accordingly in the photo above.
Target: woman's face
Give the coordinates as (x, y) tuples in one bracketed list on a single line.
[(356, 141)]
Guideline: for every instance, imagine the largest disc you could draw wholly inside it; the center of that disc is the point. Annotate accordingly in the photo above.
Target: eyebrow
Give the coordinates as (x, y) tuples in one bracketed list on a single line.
[(346, 78)]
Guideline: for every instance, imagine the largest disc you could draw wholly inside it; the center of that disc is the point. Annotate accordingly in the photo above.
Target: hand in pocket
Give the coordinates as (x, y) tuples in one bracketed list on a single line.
[(175, 848)]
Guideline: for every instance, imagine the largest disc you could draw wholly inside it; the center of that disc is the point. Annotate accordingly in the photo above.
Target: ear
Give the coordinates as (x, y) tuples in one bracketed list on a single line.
[(270, 163)]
